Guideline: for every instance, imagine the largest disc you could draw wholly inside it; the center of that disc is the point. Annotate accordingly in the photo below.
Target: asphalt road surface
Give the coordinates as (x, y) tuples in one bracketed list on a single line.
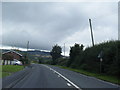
[(47, 76)]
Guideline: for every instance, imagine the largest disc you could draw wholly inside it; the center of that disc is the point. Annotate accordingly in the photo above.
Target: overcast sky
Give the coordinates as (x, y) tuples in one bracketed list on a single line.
[(45, 24)]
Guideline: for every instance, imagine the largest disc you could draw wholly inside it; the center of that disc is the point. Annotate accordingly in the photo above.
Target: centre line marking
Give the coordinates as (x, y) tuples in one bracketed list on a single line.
[(58, 76), (68, 84)]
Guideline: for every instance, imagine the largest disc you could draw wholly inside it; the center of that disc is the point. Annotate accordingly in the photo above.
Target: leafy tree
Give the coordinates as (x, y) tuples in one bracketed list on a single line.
[(25, 60), (56, 53), (75, 52), (110, 58), (40, 60), (88, 59)]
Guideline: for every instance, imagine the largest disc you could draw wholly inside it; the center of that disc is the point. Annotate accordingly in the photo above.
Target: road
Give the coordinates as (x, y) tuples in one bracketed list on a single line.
[(47, 76)]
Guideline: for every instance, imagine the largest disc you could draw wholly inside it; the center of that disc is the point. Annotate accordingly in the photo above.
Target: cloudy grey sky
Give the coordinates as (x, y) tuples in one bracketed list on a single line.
[(45, 24)]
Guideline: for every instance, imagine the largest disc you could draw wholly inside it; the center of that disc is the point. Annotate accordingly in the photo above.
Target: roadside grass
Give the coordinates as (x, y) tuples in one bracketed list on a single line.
[(9, 69), (34, 62), (4, 74), (111, 79)]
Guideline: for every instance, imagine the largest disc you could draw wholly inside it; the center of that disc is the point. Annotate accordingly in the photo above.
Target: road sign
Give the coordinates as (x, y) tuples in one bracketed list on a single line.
[(101, 59), (100, 55)]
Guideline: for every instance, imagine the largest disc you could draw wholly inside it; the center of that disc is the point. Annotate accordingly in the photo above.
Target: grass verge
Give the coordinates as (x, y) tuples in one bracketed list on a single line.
[(111, 79), (9, 69)]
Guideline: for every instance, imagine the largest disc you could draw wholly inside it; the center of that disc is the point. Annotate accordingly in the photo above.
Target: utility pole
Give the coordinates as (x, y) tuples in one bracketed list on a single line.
[(27, 53), (91, 32), (64, 49), (27, 49), (27, 45)]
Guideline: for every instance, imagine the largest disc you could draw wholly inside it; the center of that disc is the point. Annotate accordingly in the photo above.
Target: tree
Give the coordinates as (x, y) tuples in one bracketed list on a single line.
[(75, 52), (56, 53), (25, 60), (40, 60)]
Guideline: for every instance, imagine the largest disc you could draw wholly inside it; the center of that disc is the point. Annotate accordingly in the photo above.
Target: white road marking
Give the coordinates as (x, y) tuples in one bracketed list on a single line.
[(58, 76), (68, 84), (64, 78), (93, 78)]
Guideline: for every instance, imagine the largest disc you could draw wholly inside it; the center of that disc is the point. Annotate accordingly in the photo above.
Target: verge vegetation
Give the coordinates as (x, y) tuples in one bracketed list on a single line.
[(112, 79), (9, 69), (101, 61)]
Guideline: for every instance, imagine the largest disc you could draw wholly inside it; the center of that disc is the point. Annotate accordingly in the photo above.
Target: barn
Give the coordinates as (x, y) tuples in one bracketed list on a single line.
[(9, 56)]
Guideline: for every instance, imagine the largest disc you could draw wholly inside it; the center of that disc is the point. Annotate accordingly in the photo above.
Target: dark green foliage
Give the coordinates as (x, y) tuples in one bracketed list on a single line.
[(88, 59), (40, 60), (56, 53), (43, 60), (25, 60), (75, 52), (63, 61)]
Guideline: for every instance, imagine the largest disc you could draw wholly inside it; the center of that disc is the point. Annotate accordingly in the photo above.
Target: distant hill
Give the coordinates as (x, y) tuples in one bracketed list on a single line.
[(32, 54), (37, 52)]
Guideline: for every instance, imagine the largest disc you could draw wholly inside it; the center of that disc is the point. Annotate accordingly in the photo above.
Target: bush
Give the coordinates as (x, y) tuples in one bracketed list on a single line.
[(62, 61), (88, 58)]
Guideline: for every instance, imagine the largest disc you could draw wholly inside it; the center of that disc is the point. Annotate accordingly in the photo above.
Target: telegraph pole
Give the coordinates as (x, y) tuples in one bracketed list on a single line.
[(27, 49), (27, 46), (27, 52), (91, 32)]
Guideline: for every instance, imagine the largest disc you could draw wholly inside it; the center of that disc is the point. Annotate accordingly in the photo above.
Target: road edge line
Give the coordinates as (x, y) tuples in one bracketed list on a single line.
[(64, 77)]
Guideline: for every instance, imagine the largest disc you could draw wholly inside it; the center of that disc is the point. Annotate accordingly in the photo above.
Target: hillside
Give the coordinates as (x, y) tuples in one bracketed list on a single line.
[(33, 55)]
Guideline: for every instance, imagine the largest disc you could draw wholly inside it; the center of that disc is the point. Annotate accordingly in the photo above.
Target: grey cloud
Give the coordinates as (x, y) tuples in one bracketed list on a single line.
[(45, 24)]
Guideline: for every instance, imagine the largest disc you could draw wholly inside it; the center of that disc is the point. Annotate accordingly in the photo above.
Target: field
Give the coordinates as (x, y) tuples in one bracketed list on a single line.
[(6, 70)]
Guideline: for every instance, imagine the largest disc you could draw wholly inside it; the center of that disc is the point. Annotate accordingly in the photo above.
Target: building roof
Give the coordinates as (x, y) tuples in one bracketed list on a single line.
[(13, 52)]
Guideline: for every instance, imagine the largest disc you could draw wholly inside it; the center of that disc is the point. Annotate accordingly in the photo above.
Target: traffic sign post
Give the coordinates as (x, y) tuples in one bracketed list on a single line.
[(101, 65), (101, 59)]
